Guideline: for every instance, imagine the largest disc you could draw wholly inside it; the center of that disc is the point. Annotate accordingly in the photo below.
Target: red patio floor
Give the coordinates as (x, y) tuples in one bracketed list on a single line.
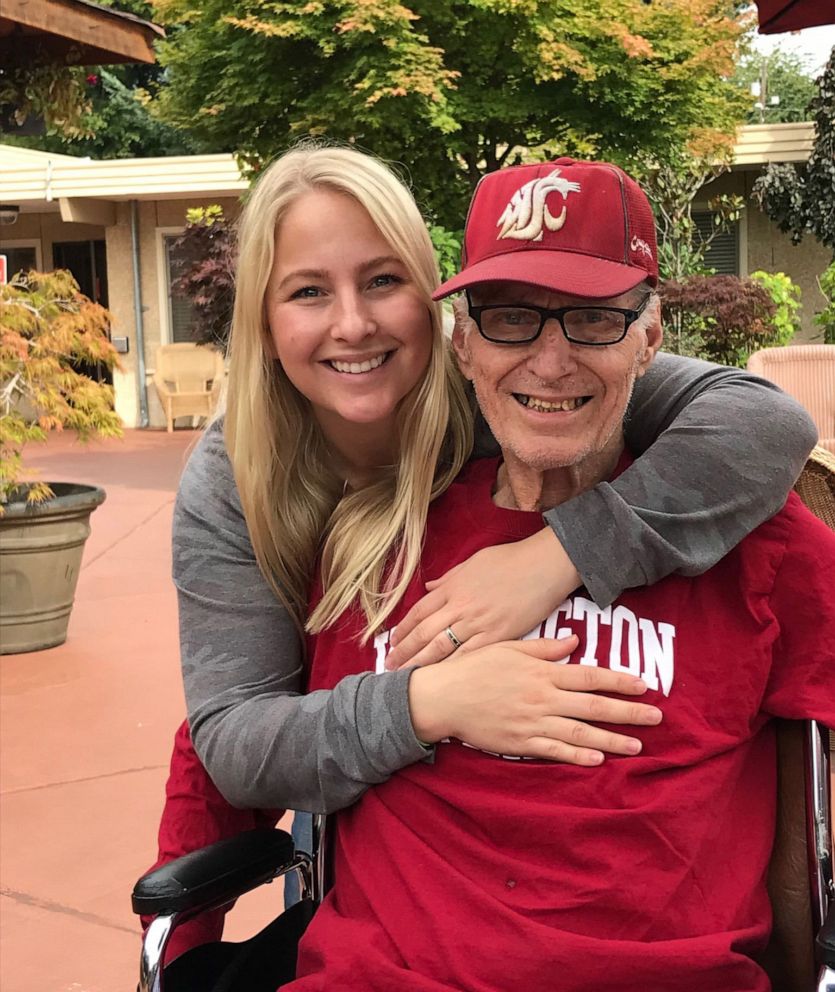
[(86, 730)]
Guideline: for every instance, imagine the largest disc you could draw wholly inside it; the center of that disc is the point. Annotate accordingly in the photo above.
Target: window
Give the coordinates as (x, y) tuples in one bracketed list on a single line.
[(19, 258), (723, 254), (180, 309)]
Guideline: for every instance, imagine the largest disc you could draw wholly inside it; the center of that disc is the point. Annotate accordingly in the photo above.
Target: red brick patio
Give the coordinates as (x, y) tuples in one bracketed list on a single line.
[(86, 729)]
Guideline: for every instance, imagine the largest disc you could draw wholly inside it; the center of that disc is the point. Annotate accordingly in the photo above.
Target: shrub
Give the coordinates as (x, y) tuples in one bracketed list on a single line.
[(826, 318), (205, 273), (46, 328), (724, 318), (786, 298)]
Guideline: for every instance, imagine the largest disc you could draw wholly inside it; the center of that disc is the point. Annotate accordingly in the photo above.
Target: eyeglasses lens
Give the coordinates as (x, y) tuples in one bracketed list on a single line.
[(593, 325)]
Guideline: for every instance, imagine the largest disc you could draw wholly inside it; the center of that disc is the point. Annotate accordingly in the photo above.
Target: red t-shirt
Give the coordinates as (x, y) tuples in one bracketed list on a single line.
[(481, 873)]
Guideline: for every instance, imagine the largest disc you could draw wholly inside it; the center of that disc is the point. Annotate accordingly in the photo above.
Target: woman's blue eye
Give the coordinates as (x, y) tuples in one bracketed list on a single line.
[(385, 279), (306, 293)]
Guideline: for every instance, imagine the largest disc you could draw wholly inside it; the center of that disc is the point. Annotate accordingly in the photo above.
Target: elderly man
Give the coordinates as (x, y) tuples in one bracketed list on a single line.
[(482, 873)]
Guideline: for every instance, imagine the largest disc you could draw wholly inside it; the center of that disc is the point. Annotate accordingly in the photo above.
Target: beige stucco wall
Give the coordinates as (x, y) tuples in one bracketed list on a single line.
[(764, 246)]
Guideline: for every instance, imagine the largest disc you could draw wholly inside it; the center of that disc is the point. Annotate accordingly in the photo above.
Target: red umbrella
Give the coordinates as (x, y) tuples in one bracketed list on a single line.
[(791, 15)]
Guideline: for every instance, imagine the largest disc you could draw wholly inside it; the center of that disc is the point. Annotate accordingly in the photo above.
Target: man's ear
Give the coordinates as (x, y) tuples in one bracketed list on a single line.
[(654, 334), (460, 337)]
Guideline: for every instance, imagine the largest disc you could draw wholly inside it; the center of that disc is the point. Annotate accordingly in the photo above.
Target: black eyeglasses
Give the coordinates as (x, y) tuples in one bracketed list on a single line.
[(509, 323)]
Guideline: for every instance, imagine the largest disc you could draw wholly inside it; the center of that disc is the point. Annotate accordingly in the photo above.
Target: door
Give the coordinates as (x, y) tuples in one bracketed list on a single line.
[(87, 261)]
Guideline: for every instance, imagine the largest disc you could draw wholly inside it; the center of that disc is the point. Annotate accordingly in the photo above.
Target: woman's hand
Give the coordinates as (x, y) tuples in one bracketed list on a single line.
[(511, 698), (498, 594)]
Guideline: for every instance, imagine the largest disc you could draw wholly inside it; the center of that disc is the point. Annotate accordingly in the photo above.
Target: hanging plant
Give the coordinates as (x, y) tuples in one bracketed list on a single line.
[(57, 94)]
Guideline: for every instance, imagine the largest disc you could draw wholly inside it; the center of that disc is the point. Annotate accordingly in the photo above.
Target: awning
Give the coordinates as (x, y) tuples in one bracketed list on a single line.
[(72, 32), (776, 16)]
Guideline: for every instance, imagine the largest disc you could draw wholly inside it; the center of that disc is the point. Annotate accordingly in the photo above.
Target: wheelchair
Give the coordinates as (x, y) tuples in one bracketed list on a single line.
[(800, 956)]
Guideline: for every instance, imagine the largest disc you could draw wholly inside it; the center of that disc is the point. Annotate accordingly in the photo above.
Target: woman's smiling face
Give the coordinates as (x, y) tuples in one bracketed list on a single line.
[(347, 322)]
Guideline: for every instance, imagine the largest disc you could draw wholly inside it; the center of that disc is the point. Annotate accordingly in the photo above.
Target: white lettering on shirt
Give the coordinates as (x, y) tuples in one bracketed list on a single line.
[(637, 646)]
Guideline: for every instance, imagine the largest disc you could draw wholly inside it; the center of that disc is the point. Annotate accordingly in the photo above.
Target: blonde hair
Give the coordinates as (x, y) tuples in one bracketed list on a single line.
[(294, 503)]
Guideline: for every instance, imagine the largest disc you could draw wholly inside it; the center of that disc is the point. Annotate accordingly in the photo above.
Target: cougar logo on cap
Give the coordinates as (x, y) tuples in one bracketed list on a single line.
[(638, 244), (527, 212)]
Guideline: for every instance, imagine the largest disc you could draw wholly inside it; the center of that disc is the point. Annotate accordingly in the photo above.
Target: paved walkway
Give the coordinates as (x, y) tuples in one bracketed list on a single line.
[(86, 730)]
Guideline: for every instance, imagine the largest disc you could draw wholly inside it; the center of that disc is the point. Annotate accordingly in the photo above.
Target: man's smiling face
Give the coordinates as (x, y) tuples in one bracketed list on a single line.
[(552, 403)]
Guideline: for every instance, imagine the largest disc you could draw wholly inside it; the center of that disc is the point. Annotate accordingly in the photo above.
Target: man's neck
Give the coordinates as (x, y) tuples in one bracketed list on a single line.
[(521, 487)]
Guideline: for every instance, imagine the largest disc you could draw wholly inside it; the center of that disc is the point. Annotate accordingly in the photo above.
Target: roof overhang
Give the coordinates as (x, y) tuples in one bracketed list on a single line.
[(72, 32), (36, 179), (763, 144)]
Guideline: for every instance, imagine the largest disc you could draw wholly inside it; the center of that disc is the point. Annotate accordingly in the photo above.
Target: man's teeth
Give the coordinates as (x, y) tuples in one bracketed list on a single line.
[(355, 367), (533, 403)]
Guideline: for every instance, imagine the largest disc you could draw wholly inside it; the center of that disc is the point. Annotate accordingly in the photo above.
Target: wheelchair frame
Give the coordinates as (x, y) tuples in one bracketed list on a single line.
[(218, 874)]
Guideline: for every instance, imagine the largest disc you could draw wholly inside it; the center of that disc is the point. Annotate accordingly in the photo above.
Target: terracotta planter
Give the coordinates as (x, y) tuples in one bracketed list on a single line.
[(40, 558)]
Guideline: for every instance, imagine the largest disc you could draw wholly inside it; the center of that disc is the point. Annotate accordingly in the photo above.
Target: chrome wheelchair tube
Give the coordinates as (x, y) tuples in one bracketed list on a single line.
[(819, 836), (319, 856), (153, 950)]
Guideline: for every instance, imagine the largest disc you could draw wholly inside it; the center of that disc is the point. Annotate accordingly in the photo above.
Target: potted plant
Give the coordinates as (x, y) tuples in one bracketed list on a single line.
[(46, 328)]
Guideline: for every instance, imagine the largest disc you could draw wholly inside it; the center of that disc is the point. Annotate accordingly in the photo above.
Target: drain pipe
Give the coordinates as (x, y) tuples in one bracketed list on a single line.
[(144, 420)]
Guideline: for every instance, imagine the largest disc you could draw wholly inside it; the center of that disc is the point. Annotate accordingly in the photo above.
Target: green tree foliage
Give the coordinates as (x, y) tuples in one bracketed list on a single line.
[(801, 199), (672, 185), (451, 90), (825, 319), (787, 76), (785, 295)]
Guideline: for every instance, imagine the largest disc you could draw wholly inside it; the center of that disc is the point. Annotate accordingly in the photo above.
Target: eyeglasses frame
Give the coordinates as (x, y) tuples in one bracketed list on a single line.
[(545, 315)]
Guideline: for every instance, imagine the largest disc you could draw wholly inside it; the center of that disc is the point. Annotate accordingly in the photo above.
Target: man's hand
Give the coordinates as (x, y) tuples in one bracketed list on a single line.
[(498, 594), (512, 698)]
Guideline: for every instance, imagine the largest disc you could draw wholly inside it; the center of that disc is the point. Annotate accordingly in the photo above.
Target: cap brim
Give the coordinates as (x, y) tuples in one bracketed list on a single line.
[(571, 273)]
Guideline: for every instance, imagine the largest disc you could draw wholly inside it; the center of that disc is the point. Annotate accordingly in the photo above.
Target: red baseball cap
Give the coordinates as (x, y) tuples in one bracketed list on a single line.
[(579, 228)]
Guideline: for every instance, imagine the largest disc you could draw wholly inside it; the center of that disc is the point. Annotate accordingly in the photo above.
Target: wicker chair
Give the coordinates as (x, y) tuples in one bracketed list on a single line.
[(188, 378), (806, 372)]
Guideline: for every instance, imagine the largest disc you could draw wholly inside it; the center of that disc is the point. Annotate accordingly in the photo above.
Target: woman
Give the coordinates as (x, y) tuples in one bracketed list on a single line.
[(320, 291)]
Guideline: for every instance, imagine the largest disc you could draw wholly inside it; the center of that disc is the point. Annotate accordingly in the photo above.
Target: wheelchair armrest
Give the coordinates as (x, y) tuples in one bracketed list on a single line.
[(214, 875), (826, 938)]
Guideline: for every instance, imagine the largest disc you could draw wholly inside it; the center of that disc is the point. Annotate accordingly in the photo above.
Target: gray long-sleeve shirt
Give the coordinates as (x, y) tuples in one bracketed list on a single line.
[(728, 449)]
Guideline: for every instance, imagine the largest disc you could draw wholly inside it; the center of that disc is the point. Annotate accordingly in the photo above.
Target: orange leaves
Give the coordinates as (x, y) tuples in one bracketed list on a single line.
[(47, 327), (635, 46), (371, 15)]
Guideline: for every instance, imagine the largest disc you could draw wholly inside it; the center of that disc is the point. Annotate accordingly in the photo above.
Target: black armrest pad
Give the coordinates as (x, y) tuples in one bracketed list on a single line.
[(214, 875), (826, 939)]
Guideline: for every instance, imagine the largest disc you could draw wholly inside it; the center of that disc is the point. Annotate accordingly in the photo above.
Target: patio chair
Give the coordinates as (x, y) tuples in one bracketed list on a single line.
[(806, 372), (188, 378), (800, 956)]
